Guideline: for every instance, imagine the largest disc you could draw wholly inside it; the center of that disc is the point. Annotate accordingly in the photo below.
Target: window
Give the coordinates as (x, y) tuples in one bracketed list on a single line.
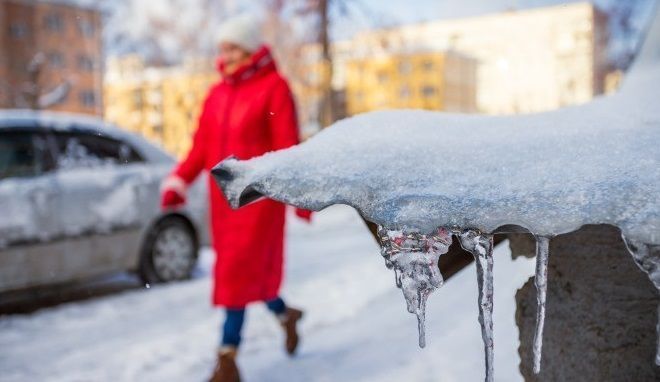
[(428, 91), (86, 150), (56, 60), (87, 98), (18, 30), (382, 77), (454, 40), (428, 65), (85, 63), (54, 22), (404, 92), (405, 67), (23, 154), (138, 100), (86, 28)]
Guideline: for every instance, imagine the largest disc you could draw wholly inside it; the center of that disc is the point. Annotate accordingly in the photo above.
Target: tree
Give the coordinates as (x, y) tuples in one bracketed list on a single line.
[(627, 27), (31, 94), (318, 16)]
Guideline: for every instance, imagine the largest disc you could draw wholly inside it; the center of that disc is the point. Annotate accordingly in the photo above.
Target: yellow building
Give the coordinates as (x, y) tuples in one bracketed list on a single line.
[(528, 61), (613, 81), (162, 104), (433, 81)]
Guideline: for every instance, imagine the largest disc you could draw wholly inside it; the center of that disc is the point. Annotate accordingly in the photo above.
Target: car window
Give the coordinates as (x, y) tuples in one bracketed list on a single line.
[(23, 154), (86, 150)]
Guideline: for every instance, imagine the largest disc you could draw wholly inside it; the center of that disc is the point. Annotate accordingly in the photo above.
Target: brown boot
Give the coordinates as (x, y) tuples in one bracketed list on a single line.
[(289, 320), (226, 369)]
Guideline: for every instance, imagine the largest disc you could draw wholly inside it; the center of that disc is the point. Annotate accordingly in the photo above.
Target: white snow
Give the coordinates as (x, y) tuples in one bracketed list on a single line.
[(550, 173), (64, 121), (355, 328), (21, 209)]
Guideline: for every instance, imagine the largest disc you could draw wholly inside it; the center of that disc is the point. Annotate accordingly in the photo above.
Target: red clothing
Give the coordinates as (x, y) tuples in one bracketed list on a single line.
[(246, 115)]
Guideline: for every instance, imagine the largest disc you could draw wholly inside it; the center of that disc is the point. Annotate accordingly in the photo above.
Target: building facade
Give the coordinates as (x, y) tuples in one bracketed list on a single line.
[(432, 81), (528, 61), (50, 57), (162, 104)]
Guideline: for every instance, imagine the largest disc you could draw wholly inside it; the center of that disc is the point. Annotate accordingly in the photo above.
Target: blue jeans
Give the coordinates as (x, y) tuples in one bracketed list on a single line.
[(234, 319)]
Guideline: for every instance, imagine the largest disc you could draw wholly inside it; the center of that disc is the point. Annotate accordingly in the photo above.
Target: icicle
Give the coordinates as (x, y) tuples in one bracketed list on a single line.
[(648, 261), (541, 283), (481, 247), (414, 258), (421, 317), (397, 278)]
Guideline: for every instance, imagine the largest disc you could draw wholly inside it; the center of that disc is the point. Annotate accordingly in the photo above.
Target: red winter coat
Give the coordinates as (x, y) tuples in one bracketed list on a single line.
[(246, 115)]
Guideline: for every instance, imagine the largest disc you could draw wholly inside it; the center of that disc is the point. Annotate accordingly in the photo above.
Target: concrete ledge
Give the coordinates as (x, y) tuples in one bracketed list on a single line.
[(601, 310)]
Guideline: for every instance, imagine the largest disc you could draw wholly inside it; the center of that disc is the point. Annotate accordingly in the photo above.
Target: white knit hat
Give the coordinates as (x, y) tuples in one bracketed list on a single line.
[(243, 30)]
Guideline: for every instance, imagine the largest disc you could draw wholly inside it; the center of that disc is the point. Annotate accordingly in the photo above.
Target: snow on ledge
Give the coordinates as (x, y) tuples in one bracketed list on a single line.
[(550, 173)]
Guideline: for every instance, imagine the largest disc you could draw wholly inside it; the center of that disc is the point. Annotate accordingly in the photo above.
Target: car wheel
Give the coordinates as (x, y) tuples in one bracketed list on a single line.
[(170, 252)]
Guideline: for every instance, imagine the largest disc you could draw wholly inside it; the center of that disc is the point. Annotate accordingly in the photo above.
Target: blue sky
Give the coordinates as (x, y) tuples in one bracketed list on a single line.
[(388, 12)]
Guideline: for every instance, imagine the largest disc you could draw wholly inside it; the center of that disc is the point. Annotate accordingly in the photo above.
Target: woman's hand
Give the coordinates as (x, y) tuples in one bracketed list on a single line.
[(305, 215), (173, 192)]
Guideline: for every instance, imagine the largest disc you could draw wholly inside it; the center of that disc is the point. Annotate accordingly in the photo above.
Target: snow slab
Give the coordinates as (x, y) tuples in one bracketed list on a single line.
[(549, 173), (356, 326)]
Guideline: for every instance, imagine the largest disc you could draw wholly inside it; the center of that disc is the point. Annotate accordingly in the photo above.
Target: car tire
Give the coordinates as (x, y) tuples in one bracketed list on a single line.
[(169, 252)]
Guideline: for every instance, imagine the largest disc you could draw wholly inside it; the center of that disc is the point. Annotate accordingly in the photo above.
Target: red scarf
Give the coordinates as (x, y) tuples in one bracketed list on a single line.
[(260, 62)]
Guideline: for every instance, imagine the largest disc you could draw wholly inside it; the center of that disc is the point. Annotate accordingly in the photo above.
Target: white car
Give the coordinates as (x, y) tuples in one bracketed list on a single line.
[(80, 198)]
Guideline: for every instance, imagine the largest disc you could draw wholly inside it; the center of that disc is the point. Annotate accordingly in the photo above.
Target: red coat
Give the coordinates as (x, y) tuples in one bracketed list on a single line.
[(246, 115)]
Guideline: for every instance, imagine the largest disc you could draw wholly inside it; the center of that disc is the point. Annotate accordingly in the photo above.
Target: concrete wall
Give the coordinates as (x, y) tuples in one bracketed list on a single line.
[(601, 311)]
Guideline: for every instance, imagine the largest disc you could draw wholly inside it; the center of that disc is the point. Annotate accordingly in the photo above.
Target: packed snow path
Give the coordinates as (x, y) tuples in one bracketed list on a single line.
[(355, 326)]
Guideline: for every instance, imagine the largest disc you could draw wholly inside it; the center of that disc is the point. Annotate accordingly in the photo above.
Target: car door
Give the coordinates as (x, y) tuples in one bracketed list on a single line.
[(100, 201), (28, 226)]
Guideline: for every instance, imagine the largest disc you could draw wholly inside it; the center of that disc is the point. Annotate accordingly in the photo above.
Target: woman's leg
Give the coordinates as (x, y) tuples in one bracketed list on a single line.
[(288, 318), (231, 330), (226, 368), (277, 306)]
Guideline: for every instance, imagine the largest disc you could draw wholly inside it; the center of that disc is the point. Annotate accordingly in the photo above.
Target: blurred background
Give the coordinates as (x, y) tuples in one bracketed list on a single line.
[(79, 197), (146, 66)]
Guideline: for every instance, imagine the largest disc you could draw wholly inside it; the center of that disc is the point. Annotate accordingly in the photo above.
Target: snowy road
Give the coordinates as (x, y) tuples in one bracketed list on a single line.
[(356, 326)]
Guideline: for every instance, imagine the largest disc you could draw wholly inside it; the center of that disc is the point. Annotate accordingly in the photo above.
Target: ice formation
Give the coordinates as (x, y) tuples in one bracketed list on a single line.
[(414, 258), (481, 246), (541, 283), (548, 173)]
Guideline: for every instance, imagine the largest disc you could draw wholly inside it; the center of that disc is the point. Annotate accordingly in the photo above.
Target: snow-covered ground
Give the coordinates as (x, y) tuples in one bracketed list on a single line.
[(356, 325)]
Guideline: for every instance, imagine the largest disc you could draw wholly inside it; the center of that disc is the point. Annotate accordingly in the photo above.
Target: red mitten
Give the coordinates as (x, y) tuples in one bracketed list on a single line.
[(171, 199), (305, 215), (173, 193)]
